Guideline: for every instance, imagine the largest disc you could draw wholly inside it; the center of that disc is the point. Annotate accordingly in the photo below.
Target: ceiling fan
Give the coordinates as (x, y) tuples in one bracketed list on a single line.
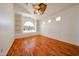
[(39, 8)]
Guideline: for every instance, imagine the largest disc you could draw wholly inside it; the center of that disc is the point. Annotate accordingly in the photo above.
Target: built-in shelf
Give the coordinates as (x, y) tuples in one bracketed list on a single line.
[(17, 23)]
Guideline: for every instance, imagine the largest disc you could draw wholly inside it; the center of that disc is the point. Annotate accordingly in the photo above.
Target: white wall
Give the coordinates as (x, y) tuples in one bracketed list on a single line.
[(67, 29), (6, 27)]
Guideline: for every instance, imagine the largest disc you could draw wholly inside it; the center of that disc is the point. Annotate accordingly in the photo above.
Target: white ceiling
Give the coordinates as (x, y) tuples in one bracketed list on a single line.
[(52, 8)]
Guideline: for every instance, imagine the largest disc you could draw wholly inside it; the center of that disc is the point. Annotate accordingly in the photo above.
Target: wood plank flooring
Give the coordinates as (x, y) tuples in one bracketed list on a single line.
[(42, 46)]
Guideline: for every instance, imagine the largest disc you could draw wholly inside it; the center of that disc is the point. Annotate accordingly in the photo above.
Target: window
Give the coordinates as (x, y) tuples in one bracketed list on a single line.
[(29, 27)]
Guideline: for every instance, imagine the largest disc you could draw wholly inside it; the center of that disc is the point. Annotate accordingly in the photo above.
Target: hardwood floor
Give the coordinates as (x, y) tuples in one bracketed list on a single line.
[(42, 46)]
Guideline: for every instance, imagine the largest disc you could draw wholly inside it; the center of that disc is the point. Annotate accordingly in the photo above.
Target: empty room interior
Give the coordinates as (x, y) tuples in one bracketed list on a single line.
[(39, 29)]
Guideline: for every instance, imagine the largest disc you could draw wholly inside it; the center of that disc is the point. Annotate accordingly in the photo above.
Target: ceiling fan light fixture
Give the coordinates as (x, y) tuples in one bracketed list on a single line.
[(40, 8)]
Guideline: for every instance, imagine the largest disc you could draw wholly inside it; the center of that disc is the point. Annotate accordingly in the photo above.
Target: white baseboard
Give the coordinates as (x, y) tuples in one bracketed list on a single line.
[(59, 39), (21, 36)]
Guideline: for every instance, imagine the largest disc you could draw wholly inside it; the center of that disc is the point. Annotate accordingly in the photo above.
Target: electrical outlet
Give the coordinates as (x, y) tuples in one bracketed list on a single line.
[(1, 50)]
